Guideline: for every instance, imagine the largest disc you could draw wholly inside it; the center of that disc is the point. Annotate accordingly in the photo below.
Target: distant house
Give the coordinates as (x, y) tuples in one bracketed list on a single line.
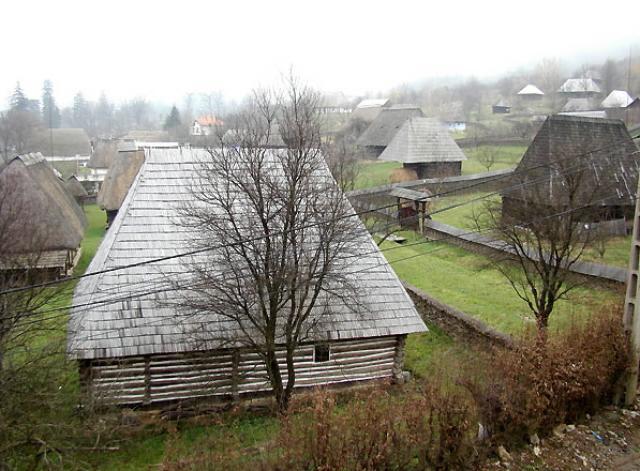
[(119, 178), (369, 109), (425, 146), (530, 93), (335, 103), (579, 87), (62, 142), (381, 131), (205, 125), (501, 107), (75, 189), (148, 135), (620, 105), (104, 153), (580, 104), (141, 351), (41, 220), (609, 173)]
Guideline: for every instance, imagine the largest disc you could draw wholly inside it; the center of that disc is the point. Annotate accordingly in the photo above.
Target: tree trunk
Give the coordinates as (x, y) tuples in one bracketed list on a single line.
[(542, 323), (275, 377)]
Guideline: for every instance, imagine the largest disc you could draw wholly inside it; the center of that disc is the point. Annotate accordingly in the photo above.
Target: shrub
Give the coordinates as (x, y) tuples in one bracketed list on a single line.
[(534, 387)]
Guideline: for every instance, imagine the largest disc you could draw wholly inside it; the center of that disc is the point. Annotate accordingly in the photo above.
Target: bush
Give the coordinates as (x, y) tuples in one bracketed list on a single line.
[(420, 429), (534, 387)]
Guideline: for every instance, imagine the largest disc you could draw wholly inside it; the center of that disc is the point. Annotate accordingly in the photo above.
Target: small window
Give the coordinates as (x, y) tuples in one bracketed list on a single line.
[(321, 353)]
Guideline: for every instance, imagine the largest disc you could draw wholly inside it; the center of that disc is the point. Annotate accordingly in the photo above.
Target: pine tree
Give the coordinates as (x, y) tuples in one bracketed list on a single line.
[(81, 111), (104, 115), (19, 100), (50, 111), (173, 119)]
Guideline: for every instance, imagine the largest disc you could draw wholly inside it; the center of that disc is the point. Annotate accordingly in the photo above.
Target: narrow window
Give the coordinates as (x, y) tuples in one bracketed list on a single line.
[(321, 353)]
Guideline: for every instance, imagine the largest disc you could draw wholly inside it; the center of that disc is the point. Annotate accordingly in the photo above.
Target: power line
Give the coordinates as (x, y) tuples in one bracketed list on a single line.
[(278, 233)]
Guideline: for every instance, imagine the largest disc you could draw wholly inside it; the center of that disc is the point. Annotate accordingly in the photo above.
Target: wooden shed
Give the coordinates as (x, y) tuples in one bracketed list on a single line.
[(40, 219), (599, 151), (137, 348), (75, 189), (381, 131), (579, 88), (425, 146)]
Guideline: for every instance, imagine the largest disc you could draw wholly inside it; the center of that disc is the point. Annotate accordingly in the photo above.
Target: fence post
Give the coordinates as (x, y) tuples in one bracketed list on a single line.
[(632, 308)]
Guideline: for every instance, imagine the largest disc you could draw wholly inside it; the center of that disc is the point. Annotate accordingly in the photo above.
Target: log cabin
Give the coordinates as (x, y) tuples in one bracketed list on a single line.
[(133, 340)]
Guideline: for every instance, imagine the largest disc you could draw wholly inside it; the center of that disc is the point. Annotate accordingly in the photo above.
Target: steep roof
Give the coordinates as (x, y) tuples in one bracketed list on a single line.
[(502, 103), (422, 140), (209, 121), (579, 85), (381, 131), (41, 205), (617, 99), (530, 90), (119, 179), (600, 149), (579, 104), (147, 227), (67, 142), (372, 102), (104, 152), (74, 187)]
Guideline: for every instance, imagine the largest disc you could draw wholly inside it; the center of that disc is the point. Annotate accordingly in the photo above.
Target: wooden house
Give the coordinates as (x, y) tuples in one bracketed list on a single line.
[(138, 347), (205, 125), (425, 145), (381, 131), (598, 151), (579, 88), (120, 176), (41, 223), (530, 93), (104, 153), (370, 108), (75, 189), (502, 107)]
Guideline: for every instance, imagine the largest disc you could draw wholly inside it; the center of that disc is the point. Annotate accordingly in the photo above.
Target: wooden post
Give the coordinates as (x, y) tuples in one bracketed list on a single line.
[(632, 308), (235, 374), (147, 380)]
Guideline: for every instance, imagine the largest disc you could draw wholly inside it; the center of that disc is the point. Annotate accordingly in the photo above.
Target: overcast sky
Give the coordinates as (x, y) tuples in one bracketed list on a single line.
[(162, 49)]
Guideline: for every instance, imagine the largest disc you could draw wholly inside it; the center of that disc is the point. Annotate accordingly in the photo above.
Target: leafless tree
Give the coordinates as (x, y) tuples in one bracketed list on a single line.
[(542, 224), (487, 156), (17, 130), (284, 228)]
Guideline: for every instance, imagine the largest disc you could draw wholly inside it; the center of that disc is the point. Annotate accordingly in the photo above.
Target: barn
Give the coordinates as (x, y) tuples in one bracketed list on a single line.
[(425, 146), (579, 88), (134, 344), (41, 224), (598, 151), (382, 130)]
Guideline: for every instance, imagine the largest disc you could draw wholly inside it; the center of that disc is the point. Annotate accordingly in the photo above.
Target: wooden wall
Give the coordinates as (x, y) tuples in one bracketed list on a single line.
[(228, 374)]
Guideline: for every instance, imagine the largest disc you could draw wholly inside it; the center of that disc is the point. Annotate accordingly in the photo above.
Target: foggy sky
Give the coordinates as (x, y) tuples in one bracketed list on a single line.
[(161, 49)]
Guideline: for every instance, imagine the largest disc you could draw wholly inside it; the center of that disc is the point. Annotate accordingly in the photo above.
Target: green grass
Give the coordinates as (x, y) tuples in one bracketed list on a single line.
[(505, 157), (461, 216), (616, 252), (93, 235), (468, 282), (375, 173)]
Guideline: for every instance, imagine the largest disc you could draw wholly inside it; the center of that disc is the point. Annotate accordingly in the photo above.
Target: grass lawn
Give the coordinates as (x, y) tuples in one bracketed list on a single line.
[(616, 252), (505, 157), (468, 282), (375, 173)]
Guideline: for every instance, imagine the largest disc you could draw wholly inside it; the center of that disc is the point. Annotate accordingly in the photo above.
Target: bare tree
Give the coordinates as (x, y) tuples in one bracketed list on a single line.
[(541, 223), (487, 156), (284, 228), (17, 130)]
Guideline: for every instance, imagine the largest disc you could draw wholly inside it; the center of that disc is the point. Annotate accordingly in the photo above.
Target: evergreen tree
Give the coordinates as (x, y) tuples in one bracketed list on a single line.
[(173, 119), (19, 100), (50, 111), (81, 112), (104, 115)]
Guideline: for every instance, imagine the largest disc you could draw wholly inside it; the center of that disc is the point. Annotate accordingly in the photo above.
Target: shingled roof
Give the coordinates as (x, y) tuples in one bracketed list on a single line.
[(579, 85), (119, 179), (530, 90), (381, 131), (617, 99), (147, 227), (601, 148), (45, 209), (422, 140)]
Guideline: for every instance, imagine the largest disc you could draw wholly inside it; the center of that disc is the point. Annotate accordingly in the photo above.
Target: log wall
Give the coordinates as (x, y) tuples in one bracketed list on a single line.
[(229, 374)]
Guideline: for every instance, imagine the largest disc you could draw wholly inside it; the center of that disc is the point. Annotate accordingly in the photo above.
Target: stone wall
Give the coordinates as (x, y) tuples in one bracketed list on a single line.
[(455, 323)]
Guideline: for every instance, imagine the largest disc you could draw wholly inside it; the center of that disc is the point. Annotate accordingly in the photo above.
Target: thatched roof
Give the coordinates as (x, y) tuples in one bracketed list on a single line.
[(369, 109), (617, 99), (67, 142), (530, 90), (422, 140), (579, 85), (42, 208), (119, 178), (147, 227), (148, 136), (381, 131), (104, 152), (602, 146), (75, 188)]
